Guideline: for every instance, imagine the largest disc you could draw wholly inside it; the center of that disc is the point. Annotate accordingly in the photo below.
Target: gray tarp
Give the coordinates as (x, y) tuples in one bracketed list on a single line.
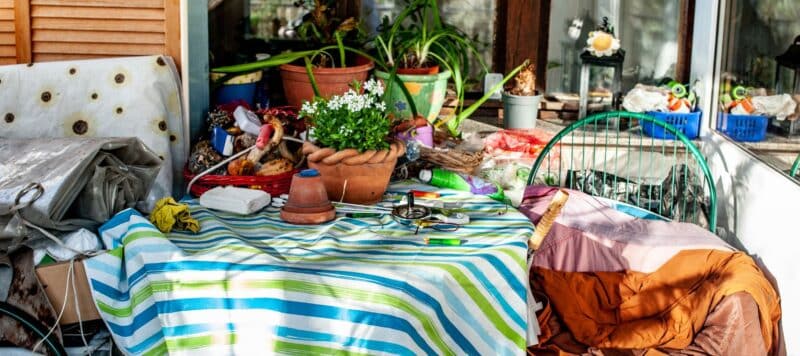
[(85, 181)]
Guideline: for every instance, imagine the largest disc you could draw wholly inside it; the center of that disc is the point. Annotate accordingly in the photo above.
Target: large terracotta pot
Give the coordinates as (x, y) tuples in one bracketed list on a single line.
[(330, 81), (353, 177), (427, 91)]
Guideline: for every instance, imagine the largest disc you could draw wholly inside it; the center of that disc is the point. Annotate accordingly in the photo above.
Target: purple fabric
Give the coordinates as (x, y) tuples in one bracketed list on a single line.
[(424, 135)]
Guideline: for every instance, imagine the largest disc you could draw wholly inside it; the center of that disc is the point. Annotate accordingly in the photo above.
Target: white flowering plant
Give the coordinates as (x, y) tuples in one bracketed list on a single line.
[(353, 120)]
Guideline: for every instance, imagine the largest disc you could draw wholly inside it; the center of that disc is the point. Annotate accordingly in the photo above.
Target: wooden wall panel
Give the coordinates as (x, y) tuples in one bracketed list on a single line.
[(522, 29), (49, 30), (8, 52)]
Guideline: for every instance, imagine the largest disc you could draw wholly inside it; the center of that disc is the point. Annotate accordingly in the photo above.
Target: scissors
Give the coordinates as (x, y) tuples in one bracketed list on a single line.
[(421, 216)]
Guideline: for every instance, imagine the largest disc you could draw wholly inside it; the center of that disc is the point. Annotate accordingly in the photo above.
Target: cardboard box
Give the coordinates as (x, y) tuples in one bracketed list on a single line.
[(53, 278)]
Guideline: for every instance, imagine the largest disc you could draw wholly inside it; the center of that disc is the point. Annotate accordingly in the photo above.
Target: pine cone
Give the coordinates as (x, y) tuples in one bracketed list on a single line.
[(219, 118), (203, 157)]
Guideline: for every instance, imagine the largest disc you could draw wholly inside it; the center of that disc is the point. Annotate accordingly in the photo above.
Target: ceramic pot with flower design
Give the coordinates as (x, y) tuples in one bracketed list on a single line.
[(351, 145), (427, 90)]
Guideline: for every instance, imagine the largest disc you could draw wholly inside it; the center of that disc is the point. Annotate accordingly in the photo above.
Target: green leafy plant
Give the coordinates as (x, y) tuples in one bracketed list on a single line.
[(418, 38), (351, 120), (322, 27), (453, 122)]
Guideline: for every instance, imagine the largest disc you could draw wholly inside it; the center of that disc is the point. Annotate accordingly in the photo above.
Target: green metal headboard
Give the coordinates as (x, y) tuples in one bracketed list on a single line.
[(598, 135), (795, 166)]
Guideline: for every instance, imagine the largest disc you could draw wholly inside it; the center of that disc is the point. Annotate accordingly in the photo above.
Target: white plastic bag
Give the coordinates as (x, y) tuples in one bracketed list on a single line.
[(779, 106)]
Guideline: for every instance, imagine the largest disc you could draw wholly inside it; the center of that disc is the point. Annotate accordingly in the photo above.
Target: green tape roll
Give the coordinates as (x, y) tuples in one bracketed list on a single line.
[(739, 92), (678, 90)]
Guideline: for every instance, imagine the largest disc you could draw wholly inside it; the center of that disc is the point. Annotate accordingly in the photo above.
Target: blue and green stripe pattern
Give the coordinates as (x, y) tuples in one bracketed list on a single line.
[(257, 285)]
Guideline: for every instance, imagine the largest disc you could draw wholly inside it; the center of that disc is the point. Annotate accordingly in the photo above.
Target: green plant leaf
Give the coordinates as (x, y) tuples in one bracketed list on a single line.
[(274, 61), (341, 48), (454, 122), (310, 72)]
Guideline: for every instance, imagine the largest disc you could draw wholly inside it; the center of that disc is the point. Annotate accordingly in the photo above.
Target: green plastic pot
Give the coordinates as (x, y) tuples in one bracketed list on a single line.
[(428, 92)]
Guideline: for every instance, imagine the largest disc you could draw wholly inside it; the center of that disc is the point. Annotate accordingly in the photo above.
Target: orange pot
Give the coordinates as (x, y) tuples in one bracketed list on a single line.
[(350, 180), (330, 81), (418, 71), (308, 202)]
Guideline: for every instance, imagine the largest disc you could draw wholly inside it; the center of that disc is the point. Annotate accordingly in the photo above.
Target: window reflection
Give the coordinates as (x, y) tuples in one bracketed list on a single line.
[(757, 31), (754, 33), (648, 31)]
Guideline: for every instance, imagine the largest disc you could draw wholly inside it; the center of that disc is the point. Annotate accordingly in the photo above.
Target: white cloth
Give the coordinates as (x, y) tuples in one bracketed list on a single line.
[(117, 97), (81, 240), (235, 200), (779, 106)]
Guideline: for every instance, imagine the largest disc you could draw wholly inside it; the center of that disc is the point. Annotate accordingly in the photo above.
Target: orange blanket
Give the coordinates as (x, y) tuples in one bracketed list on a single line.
[(665, 308)]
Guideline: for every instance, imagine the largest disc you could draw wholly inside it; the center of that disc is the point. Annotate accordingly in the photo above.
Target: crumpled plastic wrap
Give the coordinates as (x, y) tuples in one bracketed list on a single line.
[(109, 97), (85, 182), (678, 196), (779, 106), (644, 98)]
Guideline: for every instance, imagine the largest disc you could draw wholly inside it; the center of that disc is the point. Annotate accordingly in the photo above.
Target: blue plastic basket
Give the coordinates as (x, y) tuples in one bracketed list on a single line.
[(687, 123), (745, 128)]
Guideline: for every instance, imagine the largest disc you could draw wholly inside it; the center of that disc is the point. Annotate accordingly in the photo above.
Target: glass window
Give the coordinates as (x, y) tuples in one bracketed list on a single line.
[(648, 32), (267, 17), (753, 33), (756, 32)]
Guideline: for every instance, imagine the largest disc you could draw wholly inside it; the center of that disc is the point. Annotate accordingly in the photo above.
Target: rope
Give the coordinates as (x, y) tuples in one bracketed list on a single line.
[(38, 190), (352, 157), (63, 307)]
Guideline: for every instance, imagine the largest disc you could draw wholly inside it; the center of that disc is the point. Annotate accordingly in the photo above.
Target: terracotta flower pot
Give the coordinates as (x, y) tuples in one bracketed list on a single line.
[(330, 81), (308, 202), (353, 177)]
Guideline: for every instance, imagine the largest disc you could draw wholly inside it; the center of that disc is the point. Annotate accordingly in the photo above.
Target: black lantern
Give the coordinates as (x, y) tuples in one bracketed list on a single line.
[(791, 60)]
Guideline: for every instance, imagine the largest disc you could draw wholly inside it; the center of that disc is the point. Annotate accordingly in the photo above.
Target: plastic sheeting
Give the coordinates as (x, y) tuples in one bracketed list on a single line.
[(115, 97), (680, 195), (85, 181)]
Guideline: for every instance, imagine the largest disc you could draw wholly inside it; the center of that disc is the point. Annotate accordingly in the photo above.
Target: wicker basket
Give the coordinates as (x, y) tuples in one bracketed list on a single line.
[(452, 159), (274, 185)]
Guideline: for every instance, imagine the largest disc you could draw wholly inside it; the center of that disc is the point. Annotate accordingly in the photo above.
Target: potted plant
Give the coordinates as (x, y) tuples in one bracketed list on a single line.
[(333, 72), (425, 53), (332, 61), (351, 146), (520, 102), (417, 55)]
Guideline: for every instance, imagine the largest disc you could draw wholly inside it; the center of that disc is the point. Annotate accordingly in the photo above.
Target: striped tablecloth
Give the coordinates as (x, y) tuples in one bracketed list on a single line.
[(257, 285)]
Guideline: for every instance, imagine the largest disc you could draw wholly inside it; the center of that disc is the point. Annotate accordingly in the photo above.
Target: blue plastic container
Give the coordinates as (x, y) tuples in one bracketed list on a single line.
[(743, 128), (242, 87), (228, 93), (687, 123)]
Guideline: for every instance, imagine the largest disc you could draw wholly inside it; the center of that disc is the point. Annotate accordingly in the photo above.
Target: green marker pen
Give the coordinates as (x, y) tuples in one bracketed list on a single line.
[(442, 242), (362, 215)]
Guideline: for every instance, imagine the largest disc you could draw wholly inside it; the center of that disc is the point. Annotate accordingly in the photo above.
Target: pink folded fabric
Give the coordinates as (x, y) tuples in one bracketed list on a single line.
[(589, 236)]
